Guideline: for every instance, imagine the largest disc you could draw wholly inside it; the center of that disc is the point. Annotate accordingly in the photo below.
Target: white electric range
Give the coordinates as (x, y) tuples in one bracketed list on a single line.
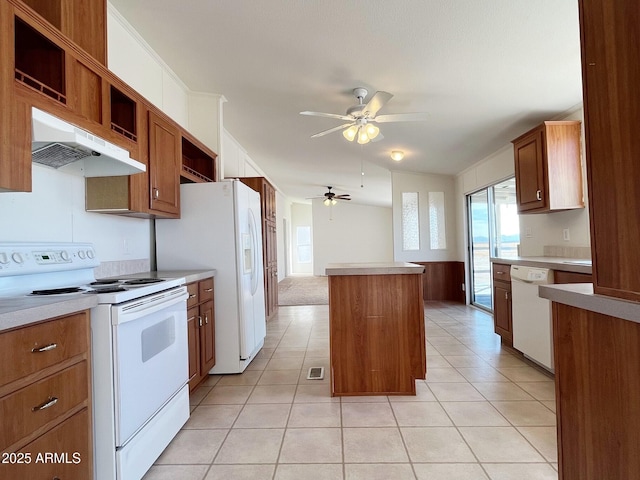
[(138, 347)]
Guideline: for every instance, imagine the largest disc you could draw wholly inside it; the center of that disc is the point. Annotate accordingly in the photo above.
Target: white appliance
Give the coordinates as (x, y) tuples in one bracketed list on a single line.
[(139, 350), (220, 228), (531, 315), (58, 144)]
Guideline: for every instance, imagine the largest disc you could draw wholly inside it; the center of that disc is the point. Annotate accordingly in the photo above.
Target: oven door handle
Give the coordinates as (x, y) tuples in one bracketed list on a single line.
[(135, 309)]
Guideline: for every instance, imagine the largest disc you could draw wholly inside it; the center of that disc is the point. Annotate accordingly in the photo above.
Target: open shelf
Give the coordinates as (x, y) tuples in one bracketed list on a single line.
[(123, 114), (197, 165), (39, 62)]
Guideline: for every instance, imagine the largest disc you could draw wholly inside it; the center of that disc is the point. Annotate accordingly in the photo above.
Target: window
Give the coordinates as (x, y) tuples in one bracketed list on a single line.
[(437, 235), (410, 221), (303, 244)]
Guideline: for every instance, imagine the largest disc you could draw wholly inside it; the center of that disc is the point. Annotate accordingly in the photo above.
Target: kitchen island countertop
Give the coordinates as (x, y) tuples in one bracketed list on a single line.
[(373, 268)]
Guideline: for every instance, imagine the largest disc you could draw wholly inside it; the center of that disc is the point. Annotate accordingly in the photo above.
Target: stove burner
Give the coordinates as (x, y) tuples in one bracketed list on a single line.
[(143, 281), (57, 291), (104, 282)]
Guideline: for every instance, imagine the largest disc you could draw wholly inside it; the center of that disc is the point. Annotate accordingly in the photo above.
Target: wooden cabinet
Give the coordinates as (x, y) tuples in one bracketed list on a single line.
[(82, 21), (164, 165), (548, 168), (377, 336), (269, 240), (502, 312), (610, 54), (45, 397), (201, 331), (443, 281)]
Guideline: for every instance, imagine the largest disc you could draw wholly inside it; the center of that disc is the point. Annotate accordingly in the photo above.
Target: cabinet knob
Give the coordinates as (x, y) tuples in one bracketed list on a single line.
[(539, 195)]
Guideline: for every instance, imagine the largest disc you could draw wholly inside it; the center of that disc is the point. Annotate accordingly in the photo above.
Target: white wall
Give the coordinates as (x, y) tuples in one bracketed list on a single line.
[(347, 233), (301, 216), (54, 212), (423, 184)]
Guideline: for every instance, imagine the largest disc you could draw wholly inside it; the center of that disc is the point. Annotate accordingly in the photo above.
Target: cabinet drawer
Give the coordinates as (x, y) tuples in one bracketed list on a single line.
[(67, 447), (205, 290), (502, 272), (58, 340), (36, 405), (192, 288)]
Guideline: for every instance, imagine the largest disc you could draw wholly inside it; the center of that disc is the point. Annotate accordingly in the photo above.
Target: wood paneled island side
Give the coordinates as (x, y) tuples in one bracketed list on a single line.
[(377, 339)]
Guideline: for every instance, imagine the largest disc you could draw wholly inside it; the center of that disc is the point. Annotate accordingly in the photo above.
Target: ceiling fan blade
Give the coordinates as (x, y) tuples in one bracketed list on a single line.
[(376, 103), (331, 130), (402, 117), (377, 138), (343, 197), (328, 115)]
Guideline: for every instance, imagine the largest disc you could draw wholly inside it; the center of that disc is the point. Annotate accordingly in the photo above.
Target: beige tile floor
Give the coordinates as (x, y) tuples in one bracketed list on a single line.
[(482, 413)]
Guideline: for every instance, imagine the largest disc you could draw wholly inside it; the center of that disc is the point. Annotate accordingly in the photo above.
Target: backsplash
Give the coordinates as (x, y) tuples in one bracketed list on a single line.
[(123, 267), (582, 253)]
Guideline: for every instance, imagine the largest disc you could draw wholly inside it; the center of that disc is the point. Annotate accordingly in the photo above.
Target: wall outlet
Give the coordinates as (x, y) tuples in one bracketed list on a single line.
[(565, 235), (527, 232)]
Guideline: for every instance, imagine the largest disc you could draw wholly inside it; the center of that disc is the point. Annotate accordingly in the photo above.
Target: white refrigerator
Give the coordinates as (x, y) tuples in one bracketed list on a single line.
[(220, 229)]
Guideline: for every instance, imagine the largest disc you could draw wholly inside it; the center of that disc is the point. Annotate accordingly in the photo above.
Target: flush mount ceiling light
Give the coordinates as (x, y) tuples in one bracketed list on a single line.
[(397, 155)]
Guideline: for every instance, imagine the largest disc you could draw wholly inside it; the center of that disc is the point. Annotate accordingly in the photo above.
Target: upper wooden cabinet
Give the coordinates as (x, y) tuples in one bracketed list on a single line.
[(82, 21), (610, 75), (548, 171), (164, 165)]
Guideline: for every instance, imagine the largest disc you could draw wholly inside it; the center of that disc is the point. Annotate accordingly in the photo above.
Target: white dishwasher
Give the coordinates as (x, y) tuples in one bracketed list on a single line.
[(532, 322)]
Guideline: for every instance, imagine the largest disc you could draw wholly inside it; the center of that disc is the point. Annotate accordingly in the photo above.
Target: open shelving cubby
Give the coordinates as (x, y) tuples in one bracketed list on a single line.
[(197, 165), (39, 63), (123, 114)]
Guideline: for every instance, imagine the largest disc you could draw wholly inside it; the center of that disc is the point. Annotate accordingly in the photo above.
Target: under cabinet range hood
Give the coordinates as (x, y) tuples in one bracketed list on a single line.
[(67, 148)]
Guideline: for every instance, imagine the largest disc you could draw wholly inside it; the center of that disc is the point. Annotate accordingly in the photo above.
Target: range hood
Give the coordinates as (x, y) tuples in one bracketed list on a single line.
[(67, 148)]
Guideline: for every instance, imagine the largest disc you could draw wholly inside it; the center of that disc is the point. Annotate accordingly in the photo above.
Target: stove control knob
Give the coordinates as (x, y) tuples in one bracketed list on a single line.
[(81, 254), (17, 257), (3, 258), (64, 255), (90, 254)]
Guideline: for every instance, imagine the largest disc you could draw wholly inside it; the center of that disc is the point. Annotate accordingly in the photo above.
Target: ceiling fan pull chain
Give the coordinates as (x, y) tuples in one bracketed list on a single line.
[(361, 167)]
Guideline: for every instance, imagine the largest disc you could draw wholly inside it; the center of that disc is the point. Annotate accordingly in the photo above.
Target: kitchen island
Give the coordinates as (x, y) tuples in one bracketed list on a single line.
[(377, 338)]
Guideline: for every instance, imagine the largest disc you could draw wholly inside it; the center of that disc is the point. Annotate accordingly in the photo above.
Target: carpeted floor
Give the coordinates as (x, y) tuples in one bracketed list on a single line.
[(303, 291)]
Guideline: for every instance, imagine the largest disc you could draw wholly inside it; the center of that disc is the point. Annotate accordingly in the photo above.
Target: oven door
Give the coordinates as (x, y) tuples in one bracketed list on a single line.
[(150, 356)]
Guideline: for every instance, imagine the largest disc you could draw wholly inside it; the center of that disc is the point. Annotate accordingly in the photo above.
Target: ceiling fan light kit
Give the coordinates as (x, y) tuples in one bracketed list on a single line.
[(361, 117)]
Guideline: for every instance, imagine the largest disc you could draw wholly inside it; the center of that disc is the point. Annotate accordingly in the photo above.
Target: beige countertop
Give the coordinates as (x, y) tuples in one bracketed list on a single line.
[(554, 263), (373, 268), (580, 295), (23, 310)]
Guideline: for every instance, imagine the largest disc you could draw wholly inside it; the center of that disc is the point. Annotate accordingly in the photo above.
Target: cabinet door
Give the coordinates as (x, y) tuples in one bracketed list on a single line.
[(529, 166), (207, 338), (193, 337), (502, 310), (164, 165)]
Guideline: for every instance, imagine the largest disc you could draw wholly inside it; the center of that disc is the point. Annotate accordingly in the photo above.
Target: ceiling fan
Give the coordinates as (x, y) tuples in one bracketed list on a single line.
[(361, 117), (330, 198)]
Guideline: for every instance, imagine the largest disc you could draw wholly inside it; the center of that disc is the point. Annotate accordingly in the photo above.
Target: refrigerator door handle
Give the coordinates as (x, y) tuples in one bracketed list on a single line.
[(254, 248)]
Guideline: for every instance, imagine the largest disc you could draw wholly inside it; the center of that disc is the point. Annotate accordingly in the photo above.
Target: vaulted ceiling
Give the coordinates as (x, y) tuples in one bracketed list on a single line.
[(484, 70)]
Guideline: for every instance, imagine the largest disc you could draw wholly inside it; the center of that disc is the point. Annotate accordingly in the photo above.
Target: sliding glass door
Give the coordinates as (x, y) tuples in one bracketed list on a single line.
[(493, 232)]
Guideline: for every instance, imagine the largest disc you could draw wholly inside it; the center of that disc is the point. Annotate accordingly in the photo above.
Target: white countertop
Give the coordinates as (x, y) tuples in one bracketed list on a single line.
[(373, 268), (554, 263), (580, 295)]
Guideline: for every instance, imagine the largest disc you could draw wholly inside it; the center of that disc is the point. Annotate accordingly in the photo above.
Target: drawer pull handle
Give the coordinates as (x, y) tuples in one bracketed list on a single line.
[(49, 403), (208, 290), (191, 318), (500, 273), (46, 348), (206, 319), (193, 295), (200, 320), (539, 195)]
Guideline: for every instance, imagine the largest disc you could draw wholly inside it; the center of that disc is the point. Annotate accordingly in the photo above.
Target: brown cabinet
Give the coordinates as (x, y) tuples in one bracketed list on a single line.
[(548, 168), (46, 399), (610, 55), (269, 240), (201, 331), (164, 165), (502, 312)]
